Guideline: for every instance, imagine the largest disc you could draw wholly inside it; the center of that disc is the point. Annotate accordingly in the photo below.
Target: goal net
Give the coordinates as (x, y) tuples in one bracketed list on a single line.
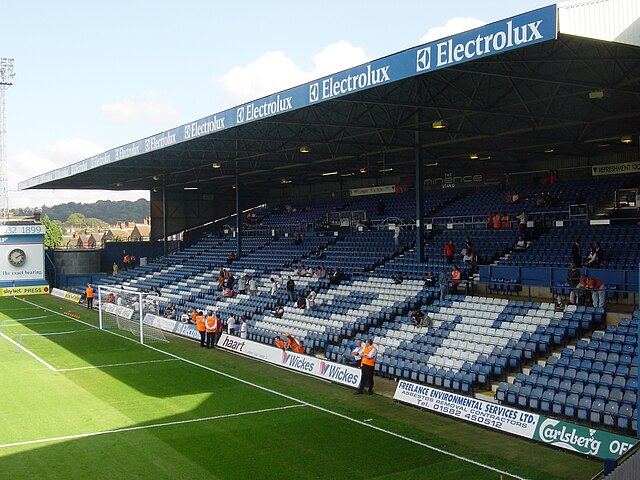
[(124, 309)]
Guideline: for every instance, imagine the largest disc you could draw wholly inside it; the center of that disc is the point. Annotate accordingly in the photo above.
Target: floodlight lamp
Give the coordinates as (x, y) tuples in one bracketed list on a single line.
[(190, 188), (474, 156), (626, 139), (596, 95), (363, 169), (439, 124), (6, 71), (305, 149), (216, 165), (327, 174), (156, 178), (285, 181)]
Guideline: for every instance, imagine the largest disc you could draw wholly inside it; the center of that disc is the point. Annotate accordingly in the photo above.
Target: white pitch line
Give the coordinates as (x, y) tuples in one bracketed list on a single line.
[(116, 365), (289, 397), (20, 347), (30, 318), (19, 324), (145, 427)]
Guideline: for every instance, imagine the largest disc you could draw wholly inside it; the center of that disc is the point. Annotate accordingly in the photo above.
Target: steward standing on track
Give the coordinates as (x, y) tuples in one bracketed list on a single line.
[(89, 295), (219, 329), (210, 329), (201, 327), (368, 356)]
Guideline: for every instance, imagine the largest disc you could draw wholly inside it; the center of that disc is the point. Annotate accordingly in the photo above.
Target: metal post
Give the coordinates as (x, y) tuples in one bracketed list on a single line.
[(419, 193), (637, 362), (100, 307), (164, 221), (238, 213)]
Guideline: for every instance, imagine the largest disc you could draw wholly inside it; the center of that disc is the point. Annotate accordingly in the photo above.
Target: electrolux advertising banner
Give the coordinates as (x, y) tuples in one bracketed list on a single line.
[(334, 372), (577, 438), (526, 29)]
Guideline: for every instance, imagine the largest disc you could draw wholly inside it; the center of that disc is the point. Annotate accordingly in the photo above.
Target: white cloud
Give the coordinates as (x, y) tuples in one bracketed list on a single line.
[(453, 26), (274, 71), (30, 163), (149, 110)]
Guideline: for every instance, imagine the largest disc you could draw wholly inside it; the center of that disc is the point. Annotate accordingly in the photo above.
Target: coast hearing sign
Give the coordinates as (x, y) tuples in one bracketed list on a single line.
[(577, 438), (516, 32), (331, 371)]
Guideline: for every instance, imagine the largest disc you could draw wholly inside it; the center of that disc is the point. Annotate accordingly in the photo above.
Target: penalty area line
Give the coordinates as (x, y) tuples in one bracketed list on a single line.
[(145, 427), (289, 397)]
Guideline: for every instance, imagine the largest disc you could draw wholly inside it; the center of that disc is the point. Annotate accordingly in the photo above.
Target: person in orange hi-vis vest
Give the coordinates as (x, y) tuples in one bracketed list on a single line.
[(89, 295), (456, 275), (368, 361), (279, 343), (497, 220), (210, 330), (506, 220), (201, 327)]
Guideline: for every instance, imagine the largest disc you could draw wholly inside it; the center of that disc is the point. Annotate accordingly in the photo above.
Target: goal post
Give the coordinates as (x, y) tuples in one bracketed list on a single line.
[(124, 309)]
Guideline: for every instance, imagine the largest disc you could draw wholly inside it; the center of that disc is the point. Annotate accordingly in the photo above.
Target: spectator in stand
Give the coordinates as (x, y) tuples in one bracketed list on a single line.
[(573, 279), (595, 256), (170, 312), (553, 177), (299, 239), (320, 272), (489, 219), (506, 220), (580, 199), (597, 288), (398, 278), (443, 282), (311, 298), (430, 280), (317, 253), (521, 244), (231, 325), (301, 303), (253, 287), (396, 235), (242, 284), (380, 207), (293, 344), (559, 306), (354, 358), (469, 257), (497, 220), (449, 251), (244, 328), (291, 289), (419, 319), (336, 276), (125, 261), (184, 317), (278, 312), (456, 276), (230, 258), (523, 218), (576, 255), (274, 287), (115, 268)]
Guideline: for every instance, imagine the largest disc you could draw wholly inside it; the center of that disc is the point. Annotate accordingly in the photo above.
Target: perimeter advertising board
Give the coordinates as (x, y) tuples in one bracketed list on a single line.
[(516, 32), (21, 254), (334, 372), (183, 329), (577, 438)]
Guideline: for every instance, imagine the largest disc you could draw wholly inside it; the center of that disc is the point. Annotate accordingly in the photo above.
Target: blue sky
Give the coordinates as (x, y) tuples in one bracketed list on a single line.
[(91, 76)]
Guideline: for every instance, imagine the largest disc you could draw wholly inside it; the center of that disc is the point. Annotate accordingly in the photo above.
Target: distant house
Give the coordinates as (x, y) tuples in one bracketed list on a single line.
[(121, 234), (141, 233), (83, 241), (68, 241), (96, 240)]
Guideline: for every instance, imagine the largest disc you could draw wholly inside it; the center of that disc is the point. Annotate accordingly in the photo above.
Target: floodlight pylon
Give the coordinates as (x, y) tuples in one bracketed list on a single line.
[(6, 80)]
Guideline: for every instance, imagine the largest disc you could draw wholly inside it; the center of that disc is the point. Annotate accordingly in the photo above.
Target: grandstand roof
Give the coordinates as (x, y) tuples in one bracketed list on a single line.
[(509, 91)]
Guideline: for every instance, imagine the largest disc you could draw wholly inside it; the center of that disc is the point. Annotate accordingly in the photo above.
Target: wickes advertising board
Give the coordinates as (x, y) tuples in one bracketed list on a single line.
[(334, 372), (577, 438)]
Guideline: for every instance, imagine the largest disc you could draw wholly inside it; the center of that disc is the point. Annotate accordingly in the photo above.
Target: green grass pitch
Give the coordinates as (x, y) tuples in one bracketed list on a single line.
[(80, 403)]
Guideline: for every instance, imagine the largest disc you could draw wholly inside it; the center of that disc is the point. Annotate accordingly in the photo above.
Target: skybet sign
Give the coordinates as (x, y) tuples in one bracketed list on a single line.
[(526, 29)]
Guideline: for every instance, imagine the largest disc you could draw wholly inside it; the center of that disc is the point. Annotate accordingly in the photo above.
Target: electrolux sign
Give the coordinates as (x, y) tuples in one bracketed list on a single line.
[(527, 29)]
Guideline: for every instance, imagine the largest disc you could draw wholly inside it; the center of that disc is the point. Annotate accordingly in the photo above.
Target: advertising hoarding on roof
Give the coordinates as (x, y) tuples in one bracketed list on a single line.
[(516, 32)]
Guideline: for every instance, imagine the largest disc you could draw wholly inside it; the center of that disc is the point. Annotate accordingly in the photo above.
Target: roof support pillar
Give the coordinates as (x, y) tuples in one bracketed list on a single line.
[(238, 213), (419, 183), (164, 222)]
